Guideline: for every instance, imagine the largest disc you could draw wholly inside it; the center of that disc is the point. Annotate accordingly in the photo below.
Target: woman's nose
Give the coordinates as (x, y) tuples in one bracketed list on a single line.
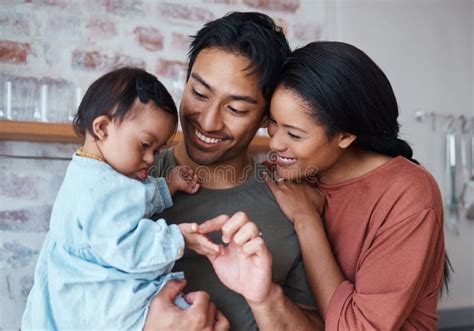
[(277, 143)]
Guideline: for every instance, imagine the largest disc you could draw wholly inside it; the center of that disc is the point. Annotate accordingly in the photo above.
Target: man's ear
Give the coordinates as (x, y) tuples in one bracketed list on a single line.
[(100, 127), (346, 139)]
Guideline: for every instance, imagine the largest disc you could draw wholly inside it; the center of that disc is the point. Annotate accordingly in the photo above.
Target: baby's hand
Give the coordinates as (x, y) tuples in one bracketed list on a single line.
[(196, 241), (182, 178)]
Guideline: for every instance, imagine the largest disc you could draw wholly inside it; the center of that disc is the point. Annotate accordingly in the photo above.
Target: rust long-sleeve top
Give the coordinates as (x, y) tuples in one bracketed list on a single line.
[(386, 232)]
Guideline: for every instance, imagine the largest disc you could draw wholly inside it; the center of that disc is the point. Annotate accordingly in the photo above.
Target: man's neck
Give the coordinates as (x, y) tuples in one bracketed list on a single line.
[(222, 175)]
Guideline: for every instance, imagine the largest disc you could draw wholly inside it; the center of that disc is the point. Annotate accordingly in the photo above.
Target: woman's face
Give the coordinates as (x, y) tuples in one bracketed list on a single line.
[(300, 146)]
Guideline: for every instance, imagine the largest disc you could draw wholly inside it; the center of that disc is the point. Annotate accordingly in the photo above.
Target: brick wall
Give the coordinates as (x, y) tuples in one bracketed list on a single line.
[(65, 45)]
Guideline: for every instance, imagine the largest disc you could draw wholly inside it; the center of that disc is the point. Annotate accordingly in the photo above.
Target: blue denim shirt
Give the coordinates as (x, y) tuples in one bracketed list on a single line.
[(102, 260)]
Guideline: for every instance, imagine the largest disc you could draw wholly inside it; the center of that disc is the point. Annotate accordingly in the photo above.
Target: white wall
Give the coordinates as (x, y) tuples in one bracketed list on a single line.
[(426, 50)]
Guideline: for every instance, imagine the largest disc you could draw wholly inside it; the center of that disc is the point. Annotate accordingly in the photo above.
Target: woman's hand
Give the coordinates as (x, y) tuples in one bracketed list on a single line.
[(297, 200)]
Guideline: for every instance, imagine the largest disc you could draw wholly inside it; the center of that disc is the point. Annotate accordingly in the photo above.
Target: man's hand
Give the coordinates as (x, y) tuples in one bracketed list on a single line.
[(245, 265), (202, 315)]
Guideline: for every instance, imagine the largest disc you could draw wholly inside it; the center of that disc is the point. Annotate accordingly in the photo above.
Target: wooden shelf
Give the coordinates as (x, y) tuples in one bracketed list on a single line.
[(64, 133)]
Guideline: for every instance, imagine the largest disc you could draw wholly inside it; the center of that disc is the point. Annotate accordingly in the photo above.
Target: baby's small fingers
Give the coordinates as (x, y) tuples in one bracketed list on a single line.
[(206, 244), (195, 188)]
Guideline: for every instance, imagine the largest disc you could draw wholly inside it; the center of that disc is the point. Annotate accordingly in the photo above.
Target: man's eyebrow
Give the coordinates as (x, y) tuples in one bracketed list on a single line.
[(244, 98), (202, 81)]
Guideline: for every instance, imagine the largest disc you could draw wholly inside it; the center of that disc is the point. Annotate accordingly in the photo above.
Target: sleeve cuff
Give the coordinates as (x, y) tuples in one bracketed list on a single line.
[(164, 193), (178, 240), (158, 196), (342, 293)]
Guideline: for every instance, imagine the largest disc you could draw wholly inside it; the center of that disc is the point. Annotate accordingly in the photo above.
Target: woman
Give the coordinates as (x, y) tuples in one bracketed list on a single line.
[(371, 234)]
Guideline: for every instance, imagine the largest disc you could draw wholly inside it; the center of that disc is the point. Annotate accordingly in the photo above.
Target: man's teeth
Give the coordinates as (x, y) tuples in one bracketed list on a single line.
[(206, 139)]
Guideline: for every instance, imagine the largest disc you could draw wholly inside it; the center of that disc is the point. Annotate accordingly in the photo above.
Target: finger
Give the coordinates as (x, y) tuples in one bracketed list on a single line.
[(222, 323), (234, 224), (189, 297), (276, 188), (199, 300), (195, 187), (271, 184), (253, 246), (188, 228), (211, 314), (171, 289), (247, 232), (206, 244), (214, 224)]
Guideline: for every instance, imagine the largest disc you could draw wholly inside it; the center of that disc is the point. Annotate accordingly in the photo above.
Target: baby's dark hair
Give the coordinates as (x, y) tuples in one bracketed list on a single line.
[(114, 93)]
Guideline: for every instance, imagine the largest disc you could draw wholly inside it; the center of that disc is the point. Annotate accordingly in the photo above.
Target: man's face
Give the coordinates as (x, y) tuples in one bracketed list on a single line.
[(221, 109)]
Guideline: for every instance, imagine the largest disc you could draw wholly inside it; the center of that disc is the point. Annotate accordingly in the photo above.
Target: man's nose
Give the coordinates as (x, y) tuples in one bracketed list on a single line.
[(210, 120)]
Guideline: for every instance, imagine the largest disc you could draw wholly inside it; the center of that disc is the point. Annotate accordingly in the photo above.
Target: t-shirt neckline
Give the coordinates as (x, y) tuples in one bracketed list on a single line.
[(371, 173)]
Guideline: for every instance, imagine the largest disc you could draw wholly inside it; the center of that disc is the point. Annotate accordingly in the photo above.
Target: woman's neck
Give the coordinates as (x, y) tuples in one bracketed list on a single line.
[(352, 164)]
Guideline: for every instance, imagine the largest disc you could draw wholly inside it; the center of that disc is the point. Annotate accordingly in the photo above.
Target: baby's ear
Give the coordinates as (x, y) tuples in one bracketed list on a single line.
[(100, 127)]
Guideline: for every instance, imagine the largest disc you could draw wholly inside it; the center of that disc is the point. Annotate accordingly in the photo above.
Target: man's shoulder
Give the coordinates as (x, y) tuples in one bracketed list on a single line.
[(163, 162)]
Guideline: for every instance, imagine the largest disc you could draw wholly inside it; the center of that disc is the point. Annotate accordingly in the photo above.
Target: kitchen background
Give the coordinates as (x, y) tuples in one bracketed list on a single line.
[(51, 50)]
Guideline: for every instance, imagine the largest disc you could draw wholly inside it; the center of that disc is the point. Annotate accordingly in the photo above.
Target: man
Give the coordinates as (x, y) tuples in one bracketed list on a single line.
[(234, 65)]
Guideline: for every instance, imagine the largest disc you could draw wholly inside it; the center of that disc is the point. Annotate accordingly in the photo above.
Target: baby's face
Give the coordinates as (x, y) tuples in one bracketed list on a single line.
[(130, 146)]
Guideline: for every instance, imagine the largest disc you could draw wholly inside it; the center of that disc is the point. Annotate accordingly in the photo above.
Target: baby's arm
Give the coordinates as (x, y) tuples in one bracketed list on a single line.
[(182, 178), (118, 233), (158, 196)]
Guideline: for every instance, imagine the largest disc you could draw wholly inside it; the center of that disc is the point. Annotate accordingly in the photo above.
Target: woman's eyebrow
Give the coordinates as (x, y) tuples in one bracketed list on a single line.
[(293, 127)]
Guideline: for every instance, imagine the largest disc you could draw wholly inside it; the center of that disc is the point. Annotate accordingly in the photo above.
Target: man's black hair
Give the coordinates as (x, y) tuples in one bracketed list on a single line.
[(252, 35)]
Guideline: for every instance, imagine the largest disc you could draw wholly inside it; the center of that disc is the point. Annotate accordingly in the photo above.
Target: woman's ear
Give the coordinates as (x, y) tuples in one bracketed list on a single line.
[(346, 139), (100, 126), (264, 122)]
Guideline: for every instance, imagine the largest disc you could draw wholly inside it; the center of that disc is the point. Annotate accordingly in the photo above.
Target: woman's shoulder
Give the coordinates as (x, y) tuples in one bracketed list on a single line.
[(413, 180), (410, 189)]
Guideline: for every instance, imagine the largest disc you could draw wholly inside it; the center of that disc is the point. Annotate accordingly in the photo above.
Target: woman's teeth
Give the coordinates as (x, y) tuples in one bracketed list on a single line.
[(285, 160), (207, 140)]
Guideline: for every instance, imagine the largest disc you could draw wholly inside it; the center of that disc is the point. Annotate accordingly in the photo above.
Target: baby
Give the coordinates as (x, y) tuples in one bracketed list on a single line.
[(103, 260)]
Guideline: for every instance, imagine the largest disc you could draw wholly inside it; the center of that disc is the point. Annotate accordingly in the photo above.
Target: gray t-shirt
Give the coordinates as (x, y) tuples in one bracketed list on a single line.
[(255, 199)]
